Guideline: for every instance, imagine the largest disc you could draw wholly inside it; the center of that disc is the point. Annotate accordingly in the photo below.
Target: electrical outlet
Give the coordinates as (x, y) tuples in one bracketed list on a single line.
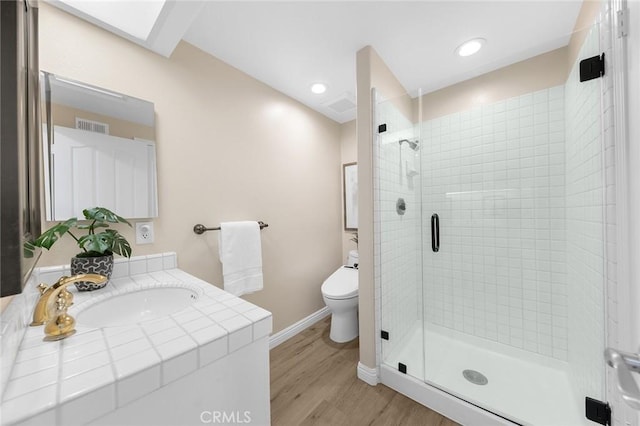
[(144, 232)]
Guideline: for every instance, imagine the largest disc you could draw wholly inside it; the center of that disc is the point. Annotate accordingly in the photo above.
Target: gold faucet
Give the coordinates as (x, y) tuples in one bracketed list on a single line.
[(53, 304)]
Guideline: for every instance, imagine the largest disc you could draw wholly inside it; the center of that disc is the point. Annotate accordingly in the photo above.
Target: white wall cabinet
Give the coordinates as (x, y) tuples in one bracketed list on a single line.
[(88, 169)]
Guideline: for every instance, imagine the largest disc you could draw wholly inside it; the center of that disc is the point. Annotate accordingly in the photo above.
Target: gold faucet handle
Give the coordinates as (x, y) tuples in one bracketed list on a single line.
[(59, 324), (67, 296), (61, 305), (63, 325)]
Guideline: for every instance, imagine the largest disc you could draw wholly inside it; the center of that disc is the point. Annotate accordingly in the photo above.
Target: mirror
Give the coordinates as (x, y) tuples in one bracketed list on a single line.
[(350, 196), (99, 150)]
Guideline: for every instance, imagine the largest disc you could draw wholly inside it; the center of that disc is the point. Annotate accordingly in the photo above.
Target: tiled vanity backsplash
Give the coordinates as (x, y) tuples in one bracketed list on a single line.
[(117, 365)]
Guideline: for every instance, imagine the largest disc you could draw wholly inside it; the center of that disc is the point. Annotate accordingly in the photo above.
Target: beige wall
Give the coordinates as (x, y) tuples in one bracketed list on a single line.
[(64, 115), (371, 72), (540, 72), (229, 148), (349, 154)]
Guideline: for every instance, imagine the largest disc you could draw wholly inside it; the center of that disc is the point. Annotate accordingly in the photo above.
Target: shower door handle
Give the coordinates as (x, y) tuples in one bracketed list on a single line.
[(624, 364), (435, 233)]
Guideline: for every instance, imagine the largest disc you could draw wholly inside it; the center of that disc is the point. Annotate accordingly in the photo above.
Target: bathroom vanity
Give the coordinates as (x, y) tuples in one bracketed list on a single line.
[(157, 346)]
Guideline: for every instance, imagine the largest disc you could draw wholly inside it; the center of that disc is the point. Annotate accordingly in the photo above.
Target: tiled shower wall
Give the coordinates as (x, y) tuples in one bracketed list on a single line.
[(495, 176), (398, 253)]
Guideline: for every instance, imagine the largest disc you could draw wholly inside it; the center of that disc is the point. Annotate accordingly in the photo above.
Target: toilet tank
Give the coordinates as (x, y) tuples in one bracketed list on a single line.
[(352, 258)]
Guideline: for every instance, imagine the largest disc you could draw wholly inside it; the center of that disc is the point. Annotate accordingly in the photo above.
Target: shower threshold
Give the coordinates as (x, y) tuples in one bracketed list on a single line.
[(518, 383)]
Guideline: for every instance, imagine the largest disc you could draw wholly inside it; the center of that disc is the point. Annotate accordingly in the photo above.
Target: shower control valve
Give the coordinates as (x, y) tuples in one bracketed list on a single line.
[(401, 206)]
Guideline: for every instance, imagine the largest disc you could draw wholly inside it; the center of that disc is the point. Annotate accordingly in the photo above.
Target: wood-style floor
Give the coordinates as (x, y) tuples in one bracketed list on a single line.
[(313, 382)]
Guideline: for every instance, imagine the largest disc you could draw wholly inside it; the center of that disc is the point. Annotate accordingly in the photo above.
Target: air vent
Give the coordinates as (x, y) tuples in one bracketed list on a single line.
[(92, 126), (343, 104)]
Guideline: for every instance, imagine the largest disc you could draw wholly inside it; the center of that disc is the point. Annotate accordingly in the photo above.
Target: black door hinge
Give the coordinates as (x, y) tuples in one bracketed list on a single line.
[(597, 411), (591, 68), (382, 128), (402, 368), (384, 334)]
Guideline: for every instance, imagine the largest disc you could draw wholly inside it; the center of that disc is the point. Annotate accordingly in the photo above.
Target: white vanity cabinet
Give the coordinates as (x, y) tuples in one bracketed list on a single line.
[(207, 363), (231, 390)]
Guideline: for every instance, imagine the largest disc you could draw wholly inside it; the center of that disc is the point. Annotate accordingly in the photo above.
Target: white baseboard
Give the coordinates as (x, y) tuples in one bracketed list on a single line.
[(368, 375), (286, 334)]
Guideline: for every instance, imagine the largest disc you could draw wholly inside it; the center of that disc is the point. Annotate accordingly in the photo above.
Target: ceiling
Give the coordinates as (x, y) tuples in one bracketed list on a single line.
[(290, 45)]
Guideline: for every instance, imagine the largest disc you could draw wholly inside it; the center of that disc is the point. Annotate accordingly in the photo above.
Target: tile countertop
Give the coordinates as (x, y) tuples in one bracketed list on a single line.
[(136, 359)]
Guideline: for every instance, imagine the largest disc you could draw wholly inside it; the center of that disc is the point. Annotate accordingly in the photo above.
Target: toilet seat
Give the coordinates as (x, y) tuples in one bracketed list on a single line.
[(342, 284)]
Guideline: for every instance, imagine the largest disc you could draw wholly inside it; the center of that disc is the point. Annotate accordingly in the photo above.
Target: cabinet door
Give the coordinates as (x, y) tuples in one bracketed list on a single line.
[(91, 169)]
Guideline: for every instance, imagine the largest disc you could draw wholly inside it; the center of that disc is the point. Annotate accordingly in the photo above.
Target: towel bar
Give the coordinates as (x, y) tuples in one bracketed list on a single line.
[(201, 229)]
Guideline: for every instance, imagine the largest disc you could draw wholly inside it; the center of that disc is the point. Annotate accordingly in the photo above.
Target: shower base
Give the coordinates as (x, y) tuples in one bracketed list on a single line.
[(523, 387)]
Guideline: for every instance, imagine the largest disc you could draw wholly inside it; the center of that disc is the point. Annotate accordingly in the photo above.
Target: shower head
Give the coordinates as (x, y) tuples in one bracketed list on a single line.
[(412, 144)]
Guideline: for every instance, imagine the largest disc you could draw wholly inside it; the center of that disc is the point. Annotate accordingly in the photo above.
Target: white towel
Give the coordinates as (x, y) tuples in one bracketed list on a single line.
[(241, 257)]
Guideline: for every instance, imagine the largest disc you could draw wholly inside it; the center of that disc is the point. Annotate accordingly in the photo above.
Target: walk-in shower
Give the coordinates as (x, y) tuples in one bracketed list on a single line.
[(490, 282)]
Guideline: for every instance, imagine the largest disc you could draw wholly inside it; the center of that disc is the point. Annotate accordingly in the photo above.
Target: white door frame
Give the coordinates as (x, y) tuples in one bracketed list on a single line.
[(623, 333)]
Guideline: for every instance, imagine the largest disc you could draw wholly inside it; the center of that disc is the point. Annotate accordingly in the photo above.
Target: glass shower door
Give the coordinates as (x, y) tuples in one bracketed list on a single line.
[(397, 228), (513, 294)]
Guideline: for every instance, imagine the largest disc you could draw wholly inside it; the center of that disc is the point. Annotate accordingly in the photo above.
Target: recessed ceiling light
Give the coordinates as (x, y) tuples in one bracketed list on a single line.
[(470, 47), (318, 88)]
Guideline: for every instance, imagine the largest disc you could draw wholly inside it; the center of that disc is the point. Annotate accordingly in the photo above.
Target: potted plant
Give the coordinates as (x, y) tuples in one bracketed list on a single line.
[(98, 248)]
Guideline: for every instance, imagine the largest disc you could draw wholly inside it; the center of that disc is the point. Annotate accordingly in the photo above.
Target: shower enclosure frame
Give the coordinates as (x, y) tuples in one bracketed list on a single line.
[(618, 291)]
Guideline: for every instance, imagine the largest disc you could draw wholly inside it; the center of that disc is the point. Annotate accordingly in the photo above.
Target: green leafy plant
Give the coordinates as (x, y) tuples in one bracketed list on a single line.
[(354, 238), (94, 243)]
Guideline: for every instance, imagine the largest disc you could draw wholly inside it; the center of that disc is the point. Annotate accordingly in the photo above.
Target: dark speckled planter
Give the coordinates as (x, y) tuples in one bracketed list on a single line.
[(102, 265)]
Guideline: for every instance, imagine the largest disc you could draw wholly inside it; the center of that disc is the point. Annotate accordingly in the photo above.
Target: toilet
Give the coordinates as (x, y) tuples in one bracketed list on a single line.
[(340, 294)]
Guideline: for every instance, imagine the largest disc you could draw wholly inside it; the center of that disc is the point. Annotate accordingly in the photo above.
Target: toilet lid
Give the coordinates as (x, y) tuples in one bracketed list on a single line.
[(342, 284)]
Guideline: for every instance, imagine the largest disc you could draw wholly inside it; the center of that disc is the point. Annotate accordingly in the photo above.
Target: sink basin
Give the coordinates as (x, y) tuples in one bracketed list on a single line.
[(136, 306)]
